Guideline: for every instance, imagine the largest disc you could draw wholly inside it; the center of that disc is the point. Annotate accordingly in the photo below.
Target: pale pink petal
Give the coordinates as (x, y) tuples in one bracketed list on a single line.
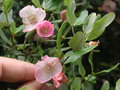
[(59, 79), (29, 28), (45, 58), (40, 14), (57, 67), (26, 21), (45, 70), (41, 75), (27, 11), (45, 29), (56, 83)]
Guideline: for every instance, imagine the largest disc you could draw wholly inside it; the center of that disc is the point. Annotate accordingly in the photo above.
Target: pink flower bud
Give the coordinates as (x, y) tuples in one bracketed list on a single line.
[(60, 79), (63, 15), (46, 69), (108, 6), (45, 29), (91, 43)]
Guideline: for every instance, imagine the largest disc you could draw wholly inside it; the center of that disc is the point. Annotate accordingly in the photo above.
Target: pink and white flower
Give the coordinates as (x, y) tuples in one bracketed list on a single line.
[(31, 16), (46, 69), (45, 29), (59, 79)]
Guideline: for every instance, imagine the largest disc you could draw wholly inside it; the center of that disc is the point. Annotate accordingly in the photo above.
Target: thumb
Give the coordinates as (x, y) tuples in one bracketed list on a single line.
[(34, 85)]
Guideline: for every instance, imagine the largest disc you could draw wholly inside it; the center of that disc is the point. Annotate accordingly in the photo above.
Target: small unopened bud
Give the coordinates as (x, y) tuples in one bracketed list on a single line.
[(91, 43), (63, 15)]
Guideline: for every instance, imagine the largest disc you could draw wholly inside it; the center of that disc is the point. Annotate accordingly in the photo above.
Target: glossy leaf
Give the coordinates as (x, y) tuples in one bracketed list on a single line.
[(59, 36), (89, 23), (87, 86), (70, 12), (51, 5), (3, 18), (108, 70), (67, 2), (105, 86), (117, 85), (19, 29), (36, 3), (30, 34), (8, 5), (10, 18), (84, 50), (4, 37), (81, 18), (91, 79), (100, 25), (90, 59), (81, 68), (76, 84), (73, 56), (77, 41), (98, 17)]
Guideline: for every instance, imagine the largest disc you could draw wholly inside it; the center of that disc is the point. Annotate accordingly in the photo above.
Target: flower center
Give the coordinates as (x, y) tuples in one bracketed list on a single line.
[(45, 30), (32, 19), (48, 68)]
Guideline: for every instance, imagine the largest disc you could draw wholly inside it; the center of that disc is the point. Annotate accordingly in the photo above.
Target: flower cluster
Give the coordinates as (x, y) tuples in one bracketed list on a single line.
[(50, 67), (33, 19)]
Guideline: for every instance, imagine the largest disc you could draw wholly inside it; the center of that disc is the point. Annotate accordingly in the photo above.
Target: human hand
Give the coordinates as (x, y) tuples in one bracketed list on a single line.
[(12, 70)]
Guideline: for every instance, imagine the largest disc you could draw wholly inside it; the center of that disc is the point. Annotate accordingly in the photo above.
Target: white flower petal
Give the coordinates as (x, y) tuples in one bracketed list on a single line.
[(27, 11), (26, 21), (40, 14), (41, 75), (29, 28)]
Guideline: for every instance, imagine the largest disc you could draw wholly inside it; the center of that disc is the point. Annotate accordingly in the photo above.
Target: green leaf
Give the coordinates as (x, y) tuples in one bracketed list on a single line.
[(100, 25), (91, 79), (19, 29), (73, 56), (70, 12), (24, 88), (59, 36), (90, 59), (105, 86), (10, 19), (64, 87), (98, 17), (108, 70), (4, 37), (87, 86), (89, 23), (81, 18), (51, 5), (3, 18), (37, 3), (0, 1), (30, 34), (77, 41), (81, 68), (76, 84), (67, 2), (84, 50), (8, 5), (117, 85)]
